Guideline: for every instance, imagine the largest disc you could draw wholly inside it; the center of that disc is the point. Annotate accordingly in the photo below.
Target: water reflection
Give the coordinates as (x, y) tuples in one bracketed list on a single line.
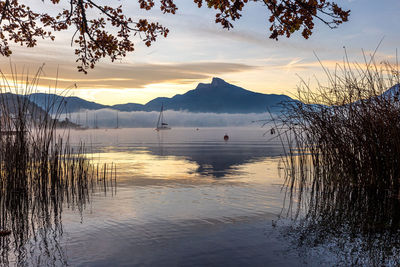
[(187, 151), (194, 221), (174, 161), (191, 199), (217, 159), (352, 209), (33, 212)]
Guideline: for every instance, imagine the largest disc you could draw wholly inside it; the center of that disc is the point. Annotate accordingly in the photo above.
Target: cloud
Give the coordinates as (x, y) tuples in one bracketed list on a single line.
[(299, 65), (122, 76), (261, 39)]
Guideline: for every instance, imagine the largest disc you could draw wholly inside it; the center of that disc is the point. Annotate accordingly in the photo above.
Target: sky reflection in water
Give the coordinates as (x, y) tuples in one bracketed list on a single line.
[(183, 197)]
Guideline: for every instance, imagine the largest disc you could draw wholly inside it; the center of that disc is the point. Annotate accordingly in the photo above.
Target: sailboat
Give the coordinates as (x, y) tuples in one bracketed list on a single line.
[(161, 125)]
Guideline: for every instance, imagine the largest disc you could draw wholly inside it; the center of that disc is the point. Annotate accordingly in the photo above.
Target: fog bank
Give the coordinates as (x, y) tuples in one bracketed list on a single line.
[(107, 118)]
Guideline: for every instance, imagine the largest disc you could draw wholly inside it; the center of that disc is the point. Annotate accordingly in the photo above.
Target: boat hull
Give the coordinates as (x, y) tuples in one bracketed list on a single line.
[(162, 128)]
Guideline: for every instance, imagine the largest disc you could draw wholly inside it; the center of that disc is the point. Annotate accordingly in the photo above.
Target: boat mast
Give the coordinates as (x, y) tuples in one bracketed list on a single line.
[(78, 119), (95, 126), (160, 116), (117, 121)]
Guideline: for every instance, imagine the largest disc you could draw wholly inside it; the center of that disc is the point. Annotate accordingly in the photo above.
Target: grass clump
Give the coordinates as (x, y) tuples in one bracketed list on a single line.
[(343, 158), (40, 174)]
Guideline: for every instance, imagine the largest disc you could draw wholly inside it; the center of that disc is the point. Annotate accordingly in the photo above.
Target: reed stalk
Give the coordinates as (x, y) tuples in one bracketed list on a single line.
[(41, 173), (342, 158)]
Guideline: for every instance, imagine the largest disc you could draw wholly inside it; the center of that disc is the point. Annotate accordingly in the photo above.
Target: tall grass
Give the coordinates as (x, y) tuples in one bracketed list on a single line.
[(40, 174), (342, 158)]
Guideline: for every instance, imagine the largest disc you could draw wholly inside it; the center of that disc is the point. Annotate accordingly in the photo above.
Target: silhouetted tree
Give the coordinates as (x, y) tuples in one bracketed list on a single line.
[(95, 38)]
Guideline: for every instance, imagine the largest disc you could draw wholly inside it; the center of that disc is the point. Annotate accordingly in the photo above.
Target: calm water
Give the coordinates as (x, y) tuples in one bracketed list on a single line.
[(184, 198)]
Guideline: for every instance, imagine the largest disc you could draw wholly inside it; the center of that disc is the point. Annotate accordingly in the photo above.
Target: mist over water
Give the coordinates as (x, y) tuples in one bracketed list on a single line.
[(107, 118)]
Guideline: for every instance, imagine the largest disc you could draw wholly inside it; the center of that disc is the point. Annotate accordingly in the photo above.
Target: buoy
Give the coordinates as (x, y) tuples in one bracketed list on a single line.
[(5, 232), (226, 137)]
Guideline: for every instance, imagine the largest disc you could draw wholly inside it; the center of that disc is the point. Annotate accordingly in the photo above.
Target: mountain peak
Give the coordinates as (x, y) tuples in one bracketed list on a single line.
[(217, 82)]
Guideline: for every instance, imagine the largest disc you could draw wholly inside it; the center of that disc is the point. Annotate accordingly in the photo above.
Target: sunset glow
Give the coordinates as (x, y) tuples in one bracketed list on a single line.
[(198, 49)]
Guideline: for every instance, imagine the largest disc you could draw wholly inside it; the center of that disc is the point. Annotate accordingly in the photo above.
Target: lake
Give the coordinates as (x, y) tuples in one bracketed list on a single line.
[(184, 197)]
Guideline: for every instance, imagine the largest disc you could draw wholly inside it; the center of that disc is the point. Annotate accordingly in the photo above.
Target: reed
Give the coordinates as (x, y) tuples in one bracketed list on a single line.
[(41, 173), (342, 158)]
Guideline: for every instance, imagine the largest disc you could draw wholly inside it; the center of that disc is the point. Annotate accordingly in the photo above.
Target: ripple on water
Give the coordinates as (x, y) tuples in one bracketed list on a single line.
[(184, 200)]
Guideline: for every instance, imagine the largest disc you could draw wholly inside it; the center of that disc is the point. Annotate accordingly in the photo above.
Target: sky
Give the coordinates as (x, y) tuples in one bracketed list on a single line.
[(197, 49)]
